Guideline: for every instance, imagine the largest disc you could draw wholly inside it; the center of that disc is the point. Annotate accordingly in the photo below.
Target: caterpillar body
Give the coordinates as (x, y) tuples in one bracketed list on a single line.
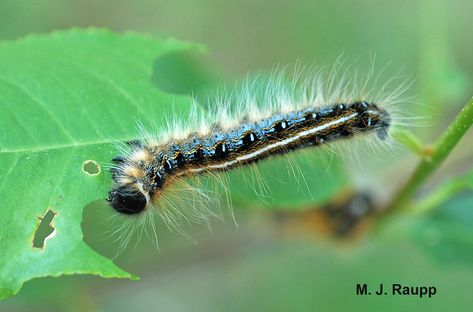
[(259, 121), (142, 177)]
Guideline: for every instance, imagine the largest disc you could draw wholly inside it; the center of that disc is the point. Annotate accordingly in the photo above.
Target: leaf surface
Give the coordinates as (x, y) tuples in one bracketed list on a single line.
[(65, 98)]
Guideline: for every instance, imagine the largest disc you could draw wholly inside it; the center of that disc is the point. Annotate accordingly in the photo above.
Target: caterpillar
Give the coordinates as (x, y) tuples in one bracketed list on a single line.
[(309, 111)]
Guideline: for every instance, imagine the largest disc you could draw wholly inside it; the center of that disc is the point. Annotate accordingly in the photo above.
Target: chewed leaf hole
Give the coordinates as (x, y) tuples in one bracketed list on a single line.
[(45, 229), (91, 167)]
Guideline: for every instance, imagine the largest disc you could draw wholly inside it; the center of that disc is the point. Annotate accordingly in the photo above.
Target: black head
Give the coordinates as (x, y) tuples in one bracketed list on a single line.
[(127, 200)]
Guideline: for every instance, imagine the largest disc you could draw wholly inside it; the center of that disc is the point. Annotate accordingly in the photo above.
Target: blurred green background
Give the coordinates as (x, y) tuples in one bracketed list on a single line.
[(263, 265)]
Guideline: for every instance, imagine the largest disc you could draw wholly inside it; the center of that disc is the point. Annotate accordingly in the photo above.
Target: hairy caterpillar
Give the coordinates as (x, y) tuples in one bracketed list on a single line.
[(309, 111)]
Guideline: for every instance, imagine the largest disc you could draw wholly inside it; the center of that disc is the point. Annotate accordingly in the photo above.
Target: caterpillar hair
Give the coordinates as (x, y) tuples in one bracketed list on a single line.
[(260, 121)]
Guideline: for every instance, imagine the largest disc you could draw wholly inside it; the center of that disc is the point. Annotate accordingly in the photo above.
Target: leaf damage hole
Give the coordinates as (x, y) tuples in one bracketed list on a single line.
[(45, 229), (91, 167), (180, 73)]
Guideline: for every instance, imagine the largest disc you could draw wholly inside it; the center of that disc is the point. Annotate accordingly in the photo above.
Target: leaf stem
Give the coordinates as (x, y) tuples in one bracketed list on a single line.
[(440, 195), (440, 151), (409, 140)]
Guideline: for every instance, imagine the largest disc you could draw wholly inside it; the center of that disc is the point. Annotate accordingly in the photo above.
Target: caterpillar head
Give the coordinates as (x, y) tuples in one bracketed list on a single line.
[(127, 200)]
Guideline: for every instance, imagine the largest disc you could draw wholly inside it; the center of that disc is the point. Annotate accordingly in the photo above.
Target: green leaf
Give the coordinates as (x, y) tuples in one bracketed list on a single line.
[(64, 99), (443, 193), (445, 234)]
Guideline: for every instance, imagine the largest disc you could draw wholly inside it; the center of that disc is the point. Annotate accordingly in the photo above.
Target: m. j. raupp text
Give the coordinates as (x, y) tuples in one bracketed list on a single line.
[(396, 290)]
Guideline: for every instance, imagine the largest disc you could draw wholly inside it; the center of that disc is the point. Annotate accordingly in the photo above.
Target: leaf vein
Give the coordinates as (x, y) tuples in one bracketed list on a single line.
[(41, 105)]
